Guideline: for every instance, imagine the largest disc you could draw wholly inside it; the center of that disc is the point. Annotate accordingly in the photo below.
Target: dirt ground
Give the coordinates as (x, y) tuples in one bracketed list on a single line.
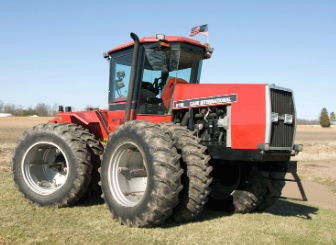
[(317, 163)]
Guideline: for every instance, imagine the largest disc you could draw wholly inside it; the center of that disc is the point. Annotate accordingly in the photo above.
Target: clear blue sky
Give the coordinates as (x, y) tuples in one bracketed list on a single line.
[(51, 51)]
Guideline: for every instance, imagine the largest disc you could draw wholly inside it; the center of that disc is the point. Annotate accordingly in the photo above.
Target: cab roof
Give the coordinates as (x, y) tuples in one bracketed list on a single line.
[(153, 40)]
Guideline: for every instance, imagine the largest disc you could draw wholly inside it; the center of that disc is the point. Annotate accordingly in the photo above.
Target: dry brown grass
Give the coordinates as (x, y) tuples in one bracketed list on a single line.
[(11, 128), (317, 162)]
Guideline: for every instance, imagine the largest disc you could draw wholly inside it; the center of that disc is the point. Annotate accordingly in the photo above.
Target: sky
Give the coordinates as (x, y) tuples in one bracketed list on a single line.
[(52, 51)]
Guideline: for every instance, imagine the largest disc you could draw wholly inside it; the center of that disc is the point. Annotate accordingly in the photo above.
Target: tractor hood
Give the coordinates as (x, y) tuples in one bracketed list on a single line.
[(250, 96)]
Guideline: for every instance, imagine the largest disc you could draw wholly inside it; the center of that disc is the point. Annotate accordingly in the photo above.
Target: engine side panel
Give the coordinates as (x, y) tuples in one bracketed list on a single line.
[(248, 110)]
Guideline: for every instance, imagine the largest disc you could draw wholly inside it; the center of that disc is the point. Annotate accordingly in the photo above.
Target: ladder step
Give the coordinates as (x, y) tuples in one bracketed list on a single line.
[(292, 180), (291, 198)]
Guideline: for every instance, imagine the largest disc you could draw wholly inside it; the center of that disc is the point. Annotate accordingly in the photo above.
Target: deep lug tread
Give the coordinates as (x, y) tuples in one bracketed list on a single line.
[(268, 199), (96, 150), (83, 164), (166, 179), (251, 193), (196, 176)]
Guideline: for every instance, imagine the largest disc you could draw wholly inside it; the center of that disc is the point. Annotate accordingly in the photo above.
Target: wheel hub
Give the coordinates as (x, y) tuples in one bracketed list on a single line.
[(127, 174), (44, 168)]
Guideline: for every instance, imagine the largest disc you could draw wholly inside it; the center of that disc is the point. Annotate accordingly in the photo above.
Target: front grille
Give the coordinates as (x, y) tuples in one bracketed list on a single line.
[(282, 103)]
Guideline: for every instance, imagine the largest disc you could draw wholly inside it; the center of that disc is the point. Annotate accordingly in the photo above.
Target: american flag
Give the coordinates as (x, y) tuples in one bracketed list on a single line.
[(199, 29)]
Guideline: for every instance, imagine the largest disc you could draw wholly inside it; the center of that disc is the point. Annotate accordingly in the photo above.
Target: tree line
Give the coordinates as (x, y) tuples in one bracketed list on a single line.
[(41, 109)]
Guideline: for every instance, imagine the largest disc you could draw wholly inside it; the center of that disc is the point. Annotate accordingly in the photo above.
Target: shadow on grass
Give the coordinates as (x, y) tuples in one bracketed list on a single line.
[(88, 201), (285, 208), (280, 208)]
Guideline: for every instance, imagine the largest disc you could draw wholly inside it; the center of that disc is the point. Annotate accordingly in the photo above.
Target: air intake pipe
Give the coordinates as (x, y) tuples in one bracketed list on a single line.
[(132, 76)]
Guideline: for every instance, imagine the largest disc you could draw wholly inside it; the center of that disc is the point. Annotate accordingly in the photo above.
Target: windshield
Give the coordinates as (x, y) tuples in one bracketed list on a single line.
[(163, 69)]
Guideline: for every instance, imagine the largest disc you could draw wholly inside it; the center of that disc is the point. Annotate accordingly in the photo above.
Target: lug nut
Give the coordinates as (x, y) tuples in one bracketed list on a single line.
[(39, 183), (65, 169), (129, 150), (57, 151), (31, 165)]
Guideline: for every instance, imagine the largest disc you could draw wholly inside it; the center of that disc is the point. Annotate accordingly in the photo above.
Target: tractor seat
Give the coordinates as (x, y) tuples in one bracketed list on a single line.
[(168, 89)]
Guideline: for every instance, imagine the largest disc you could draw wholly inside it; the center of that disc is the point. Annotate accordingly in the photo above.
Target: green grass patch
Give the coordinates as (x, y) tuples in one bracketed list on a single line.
[(89, 223), (327, 182)]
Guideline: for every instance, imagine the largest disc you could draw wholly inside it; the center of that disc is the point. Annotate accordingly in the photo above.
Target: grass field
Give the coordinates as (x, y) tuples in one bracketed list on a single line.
[(87, 223), (90, 223)]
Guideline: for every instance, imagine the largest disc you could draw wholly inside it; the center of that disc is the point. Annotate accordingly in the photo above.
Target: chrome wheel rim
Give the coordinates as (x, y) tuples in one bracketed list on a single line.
[(127, 174), (45, 168)]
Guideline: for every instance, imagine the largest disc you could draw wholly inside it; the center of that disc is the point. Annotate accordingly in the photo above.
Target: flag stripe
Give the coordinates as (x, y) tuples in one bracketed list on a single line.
[(199, 29)]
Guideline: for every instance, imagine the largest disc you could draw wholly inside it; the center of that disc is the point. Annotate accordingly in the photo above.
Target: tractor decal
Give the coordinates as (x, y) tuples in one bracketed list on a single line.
[(217, 100)]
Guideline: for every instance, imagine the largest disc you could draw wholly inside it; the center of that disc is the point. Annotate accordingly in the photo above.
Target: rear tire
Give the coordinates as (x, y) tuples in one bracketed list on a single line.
[(247, 194), (51, 165), (251, 192), (196, 178), (147, 200), (270, 198)]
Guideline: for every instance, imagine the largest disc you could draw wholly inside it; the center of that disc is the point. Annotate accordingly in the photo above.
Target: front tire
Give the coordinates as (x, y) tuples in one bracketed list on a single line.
[(51, 165), (140, 175)]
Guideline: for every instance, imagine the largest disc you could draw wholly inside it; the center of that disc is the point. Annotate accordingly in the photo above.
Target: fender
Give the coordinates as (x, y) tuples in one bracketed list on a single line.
[(95, 121)]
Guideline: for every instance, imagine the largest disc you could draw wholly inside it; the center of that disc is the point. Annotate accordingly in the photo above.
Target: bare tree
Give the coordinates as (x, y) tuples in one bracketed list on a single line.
[(18, 110), (1, 105), (9, 108), (90, 107), (163, 60), (42, 109), (307, 122), (54, 109), (332, 117)]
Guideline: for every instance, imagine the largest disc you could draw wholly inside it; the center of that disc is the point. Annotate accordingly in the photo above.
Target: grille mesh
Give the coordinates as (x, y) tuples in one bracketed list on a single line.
[(282, 103)]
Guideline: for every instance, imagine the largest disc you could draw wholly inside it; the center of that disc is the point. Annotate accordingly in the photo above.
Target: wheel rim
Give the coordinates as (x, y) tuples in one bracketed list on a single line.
[(127, 174), (45, 168)]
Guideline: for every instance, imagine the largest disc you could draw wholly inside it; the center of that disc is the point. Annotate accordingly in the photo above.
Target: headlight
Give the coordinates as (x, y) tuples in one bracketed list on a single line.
[(288, 119), (274, 117)]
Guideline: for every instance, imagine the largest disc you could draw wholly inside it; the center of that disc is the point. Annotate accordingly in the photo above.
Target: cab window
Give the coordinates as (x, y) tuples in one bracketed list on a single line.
[(120, 76), (163, 69)]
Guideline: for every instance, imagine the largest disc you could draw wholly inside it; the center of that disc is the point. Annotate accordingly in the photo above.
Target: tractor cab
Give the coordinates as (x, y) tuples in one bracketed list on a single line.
[(162, 62)]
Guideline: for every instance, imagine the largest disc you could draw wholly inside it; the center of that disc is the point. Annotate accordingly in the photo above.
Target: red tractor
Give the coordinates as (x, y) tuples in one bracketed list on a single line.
[(169, 144)]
